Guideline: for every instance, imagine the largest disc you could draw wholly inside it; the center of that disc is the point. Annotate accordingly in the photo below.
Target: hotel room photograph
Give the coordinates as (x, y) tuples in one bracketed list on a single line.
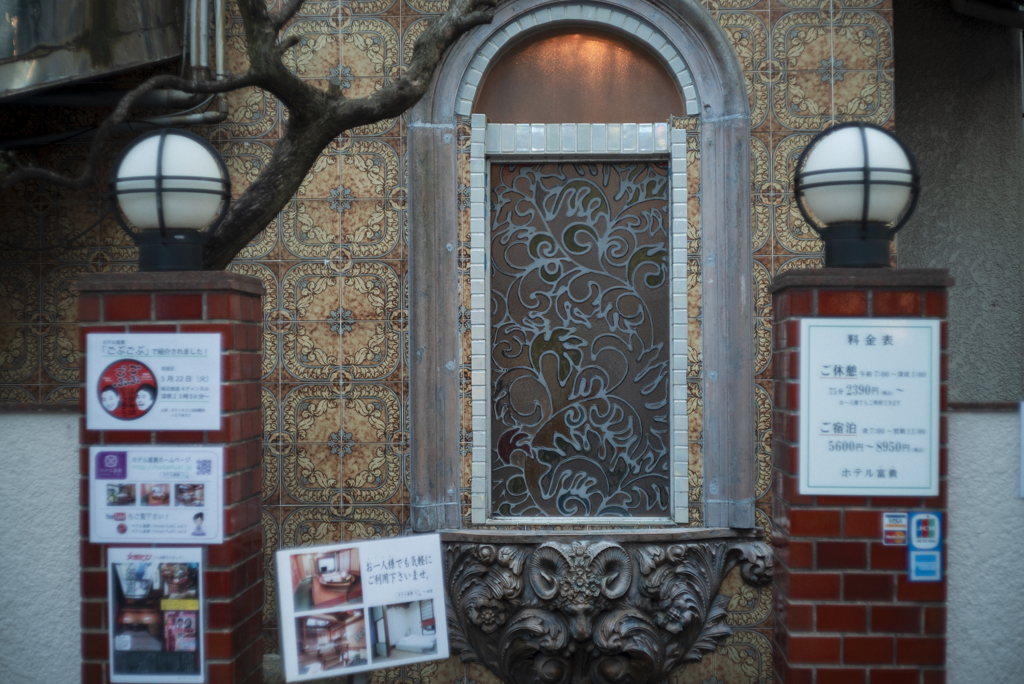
[(325, 580), (402, 630), (141, 593), (331, 641)]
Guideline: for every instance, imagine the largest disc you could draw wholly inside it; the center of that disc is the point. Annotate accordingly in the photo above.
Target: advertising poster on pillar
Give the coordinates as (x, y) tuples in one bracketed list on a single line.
[(153, 381), (356, 607), (156, 494), (869, 406), (156, 615)]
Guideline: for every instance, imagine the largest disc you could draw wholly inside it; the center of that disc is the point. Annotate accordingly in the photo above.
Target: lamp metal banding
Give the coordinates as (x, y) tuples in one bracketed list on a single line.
[(159, 183), (859, 242), (867, 178), (114, 191), (799, 186), (169, 248)]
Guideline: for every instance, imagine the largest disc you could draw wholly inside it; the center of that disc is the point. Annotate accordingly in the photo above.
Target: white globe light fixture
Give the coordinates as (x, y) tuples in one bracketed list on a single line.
[(857, 185), (172, 188)]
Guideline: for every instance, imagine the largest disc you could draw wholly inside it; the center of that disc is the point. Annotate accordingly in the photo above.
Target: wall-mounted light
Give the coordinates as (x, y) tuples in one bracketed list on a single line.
[(172, 189), (857, 185)]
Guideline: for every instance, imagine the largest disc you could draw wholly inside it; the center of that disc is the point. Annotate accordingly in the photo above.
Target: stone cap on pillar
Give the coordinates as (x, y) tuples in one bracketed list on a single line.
[(863, 277), (170, 281)]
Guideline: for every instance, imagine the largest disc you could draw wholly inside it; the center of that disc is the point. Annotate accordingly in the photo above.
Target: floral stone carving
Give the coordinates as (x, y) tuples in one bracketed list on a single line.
[(623, 608)]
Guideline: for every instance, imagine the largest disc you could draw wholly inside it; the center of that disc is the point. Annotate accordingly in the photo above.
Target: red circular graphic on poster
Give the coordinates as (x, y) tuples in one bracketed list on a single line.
[(127, 389), (122, 528)]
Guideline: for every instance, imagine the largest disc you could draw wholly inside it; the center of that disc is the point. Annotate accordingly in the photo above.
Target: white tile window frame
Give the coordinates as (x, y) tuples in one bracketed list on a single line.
[(574, 141)]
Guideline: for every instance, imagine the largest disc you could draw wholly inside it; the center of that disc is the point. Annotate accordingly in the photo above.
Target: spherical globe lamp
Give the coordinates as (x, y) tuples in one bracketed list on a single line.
[(857, 185), (169, 189)]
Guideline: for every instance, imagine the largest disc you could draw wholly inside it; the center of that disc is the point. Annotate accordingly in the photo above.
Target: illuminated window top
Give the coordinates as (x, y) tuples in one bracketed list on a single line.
[(578, 74)]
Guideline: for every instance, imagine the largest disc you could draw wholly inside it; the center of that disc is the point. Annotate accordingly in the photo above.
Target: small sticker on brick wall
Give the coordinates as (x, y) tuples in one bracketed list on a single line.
[(894, 529)]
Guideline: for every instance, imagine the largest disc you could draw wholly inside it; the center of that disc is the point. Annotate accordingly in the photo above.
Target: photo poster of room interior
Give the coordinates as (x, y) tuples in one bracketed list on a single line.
[(156, 615), (361, 606), (156, 494)]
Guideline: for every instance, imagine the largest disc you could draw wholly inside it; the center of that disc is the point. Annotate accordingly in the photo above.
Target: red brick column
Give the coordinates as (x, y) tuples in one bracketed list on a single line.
[(844, 610), (197, 302)]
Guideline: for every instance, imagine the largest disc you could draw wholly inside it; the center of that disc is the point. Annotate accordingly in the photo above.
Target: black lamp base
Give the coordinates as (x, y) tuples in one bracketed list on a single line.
[(854, 245), (173, 250)]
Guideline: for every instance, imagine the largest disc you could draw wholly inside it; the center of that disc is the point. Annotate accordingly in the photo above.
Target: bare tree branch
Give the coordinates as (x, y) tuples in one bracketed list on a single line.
[(315, 117), (395, 98), (286, 13), (310, 131), (18, 172), (288, 43)]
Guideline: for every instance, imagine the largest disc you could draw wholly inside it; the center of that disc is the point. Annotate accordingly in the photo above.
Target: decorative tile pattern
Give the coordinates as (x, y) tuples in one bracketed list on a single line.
[(334, 264)]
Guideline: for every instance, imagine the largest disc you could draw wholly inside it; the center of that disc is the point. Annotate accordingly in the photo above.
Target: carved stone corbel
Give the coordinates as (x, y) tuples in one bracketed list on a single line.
[(623, 609)]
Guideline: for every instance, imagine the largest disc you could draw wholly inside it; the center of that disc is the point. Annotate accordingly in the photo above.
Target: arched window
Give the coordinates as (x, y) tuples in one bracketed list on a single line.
[(578, 74), (578, 234), (575, 320)]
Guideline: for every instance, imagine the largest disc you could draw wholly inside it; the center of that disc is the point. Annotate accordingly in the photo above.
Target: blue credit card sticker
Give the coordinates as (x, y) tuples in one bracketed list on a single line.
[(925, 528), (924, 551), (925, 566)]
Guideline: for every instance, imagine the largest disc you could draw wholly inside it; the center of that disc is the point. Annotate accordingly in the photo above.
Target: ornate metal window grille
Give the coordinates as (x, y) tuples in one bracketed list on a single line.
[(644, 476)]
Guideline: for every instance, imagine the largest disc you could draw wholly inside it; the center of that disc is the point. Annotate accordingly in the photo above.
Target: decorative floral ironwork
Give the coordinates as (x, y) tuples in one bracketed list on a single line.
[(579, 360), (593, 610)]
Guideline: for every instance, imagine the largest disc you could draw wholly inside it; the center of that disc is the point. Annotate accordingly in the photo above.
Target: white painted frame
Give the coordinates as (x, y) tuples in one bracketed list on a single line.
[(576, 141)]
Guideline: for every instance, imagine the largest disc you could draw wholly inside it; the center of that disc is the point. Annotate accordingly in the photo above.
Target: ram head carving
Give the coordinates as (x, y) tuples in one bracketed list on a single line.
[(580, 579)]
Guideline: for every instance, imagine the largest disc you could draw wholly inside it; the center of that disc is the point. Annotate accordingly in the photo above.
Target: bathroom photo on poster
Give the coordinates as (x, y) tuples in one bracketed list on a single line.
[(361, 606), (156, 615)]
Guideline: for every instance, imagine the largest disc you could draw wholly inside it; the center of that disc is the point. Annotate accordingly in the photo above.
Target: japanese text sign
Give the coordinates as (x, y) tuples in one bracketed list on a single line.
[(153, 381), (156, 615), (156, 494), (359, 607), (869, 407)]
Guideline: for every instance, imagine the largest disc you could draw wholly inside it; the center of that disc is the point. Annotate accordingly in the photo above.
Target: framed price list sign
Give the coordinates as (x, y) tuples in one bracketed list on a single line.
[(869, 406)]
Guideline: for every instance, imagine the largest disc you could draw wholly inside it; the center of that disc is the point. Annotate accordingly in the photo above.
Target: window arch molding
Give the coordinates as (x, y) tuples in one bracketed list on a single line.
[(717, 93)]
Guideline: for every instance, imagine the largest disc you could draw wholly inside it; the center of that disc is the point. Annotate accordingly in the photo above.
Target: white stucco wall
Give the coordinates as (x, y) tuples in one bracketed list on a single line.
[(39, 578), (986, 521), (958, 107)]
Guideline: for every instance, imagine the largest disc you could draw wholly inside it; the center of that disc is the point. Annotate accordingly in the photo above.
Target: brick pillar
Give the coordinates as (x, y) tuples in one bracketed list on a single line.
[(196, 302), (845, 612)]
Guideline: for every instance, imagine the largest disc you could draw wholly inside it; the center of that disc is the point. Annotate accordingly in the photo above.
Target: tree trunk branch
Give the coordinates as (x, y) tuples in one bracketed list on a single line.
[(397, 97), (309, 131), (262, 201), (315, 117), (286, 13), (22, 172)]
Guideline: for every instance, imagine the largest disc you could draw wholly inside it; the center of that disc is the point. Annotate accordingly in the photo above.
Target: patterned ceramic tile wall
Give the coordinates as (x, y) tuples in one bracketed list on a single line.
[(335, 267)]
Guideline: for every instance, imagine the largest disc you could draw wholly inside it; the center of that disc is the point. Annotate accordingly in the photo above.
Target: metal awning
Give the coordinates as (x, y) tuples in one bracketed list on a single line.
[(1008, 12)]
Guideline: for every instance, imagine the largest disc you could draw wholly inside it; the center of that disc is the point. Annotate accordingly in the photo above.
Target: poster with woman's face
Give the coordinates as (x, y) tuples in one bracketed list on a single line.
[(153, 381)]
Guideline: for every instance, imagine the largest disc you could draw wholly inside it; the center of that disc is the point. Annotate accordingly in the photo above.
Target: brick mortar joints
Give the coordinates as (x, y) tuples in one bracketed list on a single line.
[(228, 569), (240, 621), (228, 600), (244, 502)]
